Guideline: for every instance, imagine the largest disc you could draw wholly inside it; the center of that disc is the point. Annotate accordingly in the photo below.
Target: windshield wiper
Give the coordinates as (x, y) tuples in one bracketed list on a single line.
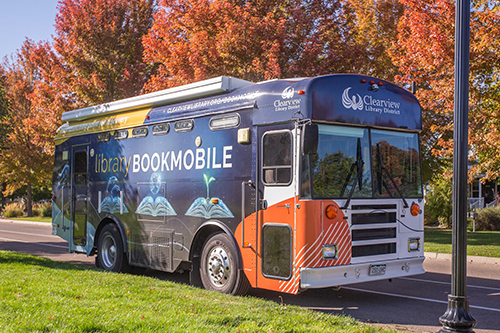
[(359, 176), (381, 181)]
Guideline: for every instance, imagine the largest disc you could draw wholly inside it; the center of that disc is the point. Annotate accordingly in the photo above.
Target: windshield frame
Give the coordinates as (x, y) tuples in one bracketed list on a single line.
[(306, 174)]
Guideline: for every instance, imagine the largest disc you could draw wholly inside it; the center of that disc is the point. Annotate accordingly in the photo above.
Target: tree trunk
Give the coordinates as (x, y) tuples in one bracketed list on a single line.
[(4, 199), (29, 210)]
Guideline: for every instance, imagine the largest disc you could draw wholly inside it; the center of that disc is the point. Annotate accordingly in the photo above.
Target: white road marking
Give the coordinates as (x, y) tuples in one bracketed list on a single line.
[(29, 234), (448, 283), (416, 298), (43, 244)]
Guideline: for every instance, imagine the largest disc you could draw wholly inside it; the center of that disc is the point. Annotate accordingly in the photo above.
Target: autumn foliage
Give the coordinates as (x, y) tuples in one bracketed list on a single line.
[(95, 57), (253, 40), (425, 55), (104, 50)]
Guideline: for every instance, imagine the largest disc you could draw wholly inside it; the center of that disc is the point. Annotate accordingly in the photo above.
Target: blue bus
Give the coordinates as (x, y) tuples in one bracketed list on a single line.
[(282, 185)]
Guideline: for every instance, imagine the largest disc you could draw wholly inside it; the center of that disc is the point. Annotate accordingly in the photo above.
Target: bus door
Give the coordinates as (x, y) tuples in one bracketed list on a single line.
[(79, 199), (277, 205)]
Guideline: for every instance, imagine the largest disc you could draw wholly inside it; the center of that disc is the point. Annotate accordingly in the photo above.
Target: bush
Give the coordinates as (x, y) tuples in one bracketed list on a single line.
[(14, 209), (438, 200), (46, 209), (488, 219)]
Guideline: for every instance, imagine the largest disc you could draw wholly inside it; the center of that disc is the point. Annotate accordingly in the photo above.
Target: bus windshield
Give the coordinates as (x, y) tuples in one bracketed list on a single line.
[(362, 163)]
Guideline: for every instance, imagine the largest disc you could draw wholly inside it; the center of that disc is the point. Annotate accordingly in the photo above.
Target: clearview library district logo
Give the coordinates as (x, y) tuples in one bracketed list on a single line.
[(370, 104), (288, 102)]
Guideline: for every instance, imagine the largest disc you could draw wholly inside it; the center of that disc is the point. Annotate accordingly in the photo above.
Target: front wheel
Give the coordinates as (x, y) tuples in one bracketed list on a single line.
[(110, 250), (219, 266)]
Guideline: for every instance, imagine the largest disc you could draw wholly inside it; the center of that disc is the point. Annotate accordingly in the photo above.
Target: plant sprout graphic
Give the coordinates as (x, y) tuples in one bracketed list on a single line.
[(209, 207), (207, 182)]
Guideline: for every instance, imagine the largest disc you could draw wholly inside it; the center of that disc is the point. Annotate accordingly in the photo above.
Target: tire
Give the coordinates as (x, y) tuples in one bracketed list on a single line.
[(110, 250), (219, 266)]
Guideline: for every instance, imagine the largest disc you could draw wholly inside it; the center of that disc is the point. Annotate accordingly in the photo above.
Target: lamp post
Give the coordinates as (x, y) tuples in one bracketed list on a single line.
[(457, 317)]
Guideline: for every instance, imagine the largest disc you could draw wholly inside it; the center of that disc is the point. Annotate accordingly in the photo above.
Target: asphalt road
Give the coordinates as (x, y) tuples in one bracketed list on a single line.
[(413, 304)]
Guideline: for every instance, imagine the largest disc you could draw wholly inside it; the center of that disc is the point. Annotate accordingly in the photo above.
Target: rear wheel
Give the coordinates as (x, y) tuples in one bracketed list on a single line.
[(110, 250), (219, 266)]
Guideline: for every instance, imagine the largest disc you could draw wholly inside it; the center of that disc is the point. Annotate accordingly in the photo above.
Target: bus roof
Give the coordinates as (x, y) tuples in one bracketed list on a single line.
[(337, 98)]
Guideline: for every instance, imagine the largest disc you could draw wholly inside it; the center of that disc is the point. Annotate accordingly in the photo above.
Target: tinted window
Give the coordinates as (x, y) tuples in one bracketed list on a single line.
[(276, 251), (277, 157), (80, 167), (341, 163), (396, 164)]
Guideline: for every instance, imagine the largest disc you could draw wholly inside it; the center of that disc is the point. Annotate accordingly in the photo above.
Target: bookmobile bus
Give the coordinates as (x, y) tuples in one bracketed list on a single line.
[(282, 185)]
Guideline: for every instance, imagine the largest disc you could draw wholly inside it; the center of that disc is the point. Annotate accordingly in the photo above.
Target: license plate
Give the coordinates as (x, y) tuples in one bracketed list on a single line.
[(377, 269)]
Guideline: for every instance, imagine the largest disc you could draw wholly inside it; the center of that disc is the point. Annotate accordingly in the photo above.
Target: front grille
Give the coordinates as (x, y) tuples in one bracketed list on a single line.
[(369, 234), (372, 207), (373, 250), (370, 218), (378, 226)]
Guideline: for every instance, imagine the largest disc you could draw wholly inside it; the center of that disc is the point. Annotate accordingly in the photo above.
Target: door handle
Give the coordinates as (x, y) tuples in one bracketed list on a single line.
[(243, 214)]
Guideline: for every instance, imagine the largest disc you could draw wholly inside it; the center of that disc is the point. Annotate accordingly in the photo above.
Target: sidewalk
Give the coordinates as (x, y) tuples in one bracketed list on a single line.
[(470, 259)]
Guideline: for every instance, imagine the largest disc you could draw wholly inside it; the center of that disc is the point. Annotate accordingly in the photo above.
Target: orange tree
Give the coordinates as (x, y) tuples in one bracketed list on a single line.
[(424, 53), (22, 163), (99, 44), (253, 40), (373, 27), (95, 57)]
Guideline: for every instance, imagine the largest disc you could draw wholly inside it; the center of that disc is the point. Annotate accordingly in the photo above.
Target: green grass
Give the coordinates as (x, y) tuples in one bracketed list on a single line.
[(479, 243), (35, 219), (41, 295)]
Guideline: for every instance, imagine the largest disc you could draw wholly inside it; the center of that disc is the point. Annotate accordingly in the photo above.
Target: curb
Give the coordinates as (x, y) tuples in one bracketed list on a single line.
[(24, 222), (470, 259)]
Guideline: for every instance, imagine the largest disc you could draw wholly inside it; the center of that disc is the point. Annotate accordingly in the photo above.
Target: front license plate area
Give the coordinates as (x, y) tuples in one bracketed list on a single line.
[(377, 270)]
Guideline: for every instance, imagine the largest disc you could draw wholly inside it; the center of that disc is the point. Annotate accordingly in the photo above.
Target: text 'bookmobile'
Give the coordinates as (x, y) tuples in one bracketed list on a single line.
[(283, 185)]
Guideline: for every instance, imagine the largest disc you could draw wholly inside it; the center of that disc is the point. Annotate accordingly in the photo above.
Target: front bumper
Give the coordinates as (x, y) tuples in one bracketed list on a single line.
[(340, 275)]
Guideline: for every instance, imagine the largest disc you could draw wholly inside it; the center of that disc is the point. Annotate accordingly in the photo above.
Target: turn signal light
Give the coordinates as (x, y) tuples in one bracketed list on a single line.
[(214, 200), (415, 209), (331, 212)]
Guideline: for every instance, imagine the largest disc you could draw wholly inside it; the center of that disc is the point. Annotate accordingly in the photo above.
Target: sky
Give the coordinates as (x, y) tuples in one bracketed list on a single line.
[(25, 18)]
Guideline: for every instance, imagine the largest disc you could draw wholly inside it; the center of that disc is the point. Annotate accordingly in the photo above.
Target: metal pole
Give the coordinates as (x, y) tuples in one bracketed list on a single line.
[(457, 317)]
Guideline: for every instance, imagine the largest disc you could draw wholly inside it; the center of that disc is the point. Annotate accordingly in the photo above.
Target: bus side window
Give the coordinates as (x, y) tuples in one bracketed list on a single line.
[(277, 158), (80, 165)]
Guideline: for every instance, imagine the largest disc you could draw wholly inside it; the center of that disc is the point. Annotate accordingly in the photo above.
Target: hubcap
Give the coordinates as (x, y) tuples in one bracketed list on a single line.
[(108, 251), (218, 266)]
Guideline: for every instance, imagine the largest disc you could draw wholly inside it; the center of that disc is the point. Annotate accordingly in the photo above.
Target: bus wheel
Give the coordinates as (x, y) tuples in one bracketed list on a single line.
[(110, 253), (219, 268)]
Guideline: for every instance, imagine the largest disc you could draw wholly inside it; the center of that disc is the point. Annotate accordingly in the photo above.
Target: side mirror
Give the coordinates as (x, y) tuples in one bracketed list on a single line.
[(310, 139)]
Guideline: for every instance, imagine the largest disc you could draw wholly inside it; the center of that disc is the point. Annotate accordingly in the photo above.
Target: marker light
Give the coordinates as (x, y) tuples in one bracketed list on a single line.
[(147, 117), (413, 244), (415, 209), (214, 200), (301, 92), (363, 80), (330, 251), (371, 82), (380, 84), (331, 212)]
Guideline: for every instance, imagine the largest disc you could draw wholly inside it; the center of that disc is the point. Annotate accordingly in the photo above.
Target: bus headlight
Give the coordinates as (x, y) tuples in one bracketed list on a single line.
[(330, 251), (413, 244)]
